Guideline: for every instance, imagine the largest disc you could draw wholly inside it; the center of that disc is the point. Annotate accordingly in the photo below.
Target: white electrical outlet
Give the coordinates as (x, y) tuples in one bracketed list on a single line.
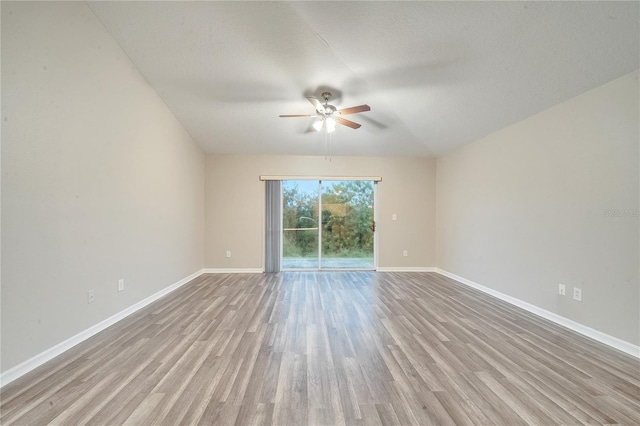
[(562, 289), (405, 253), (577, 294), (228, 253), (120, 285), (91, 296), (394, 217)]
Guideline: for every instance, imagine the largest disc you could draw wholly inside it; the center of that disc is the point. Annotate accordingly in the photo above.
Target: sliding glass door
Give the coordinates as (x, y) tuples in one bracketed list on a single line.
[(300, 226), (328, 224), (347, 224)]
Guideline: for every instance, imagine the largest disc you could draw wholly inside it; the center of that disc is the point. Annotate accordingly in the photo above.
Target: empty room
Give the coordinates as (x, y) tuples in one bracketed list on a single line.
[(320, 213)]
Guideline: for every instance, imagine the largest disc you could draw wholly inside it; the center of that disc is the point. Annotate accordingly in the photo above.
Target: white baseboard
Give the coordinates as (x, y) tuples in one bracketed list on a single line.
[(406, 269), (599, 336), (233, 270), (36, 361)]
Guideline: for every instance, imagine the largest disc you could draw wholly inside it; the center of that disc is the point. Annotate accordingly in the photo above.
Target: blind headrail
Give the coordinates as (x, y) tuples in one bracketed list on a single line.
[(324, 177)]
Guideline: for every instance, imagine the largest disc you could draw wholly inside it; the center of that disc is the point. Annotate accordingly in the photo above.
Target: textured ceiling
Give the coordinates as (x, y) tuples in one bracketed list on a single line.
[(437, 75)]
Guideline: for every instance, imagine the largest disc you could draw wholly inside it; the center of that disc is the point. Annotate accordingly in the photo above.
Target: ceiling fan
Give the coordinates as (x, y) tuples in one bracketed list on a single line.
[(327, 115)]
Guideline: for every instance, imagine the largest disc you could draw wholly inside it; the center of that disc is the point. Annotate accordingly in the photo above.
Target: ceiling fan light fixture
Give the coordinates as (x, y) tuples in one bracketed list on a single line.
[(327, 116), (331, 124)]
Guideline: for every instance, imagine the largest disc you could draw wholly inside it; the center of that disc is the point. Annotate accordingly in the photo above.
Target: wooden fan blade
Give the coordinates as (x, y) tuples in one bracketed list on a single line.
[(316, 103), (355, 109), (347, 123), (297, 115)]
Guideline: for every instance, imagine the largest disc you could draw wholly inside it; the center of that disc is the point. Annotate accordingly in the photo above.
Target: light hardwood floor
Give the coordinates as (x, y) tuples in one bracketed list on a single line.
[(330, 348)]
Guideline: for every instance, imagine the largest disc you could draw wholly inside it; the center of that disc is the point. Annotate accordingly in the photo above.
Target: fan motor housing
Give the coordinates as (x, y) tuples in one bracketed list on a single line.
[(329, 109)]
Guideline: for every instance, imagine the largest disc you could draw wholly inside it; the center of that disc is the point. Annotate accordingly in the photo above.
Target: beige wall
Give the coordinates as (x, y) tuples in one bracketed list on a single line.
[(525, 209), (99, 180), (235, 205)]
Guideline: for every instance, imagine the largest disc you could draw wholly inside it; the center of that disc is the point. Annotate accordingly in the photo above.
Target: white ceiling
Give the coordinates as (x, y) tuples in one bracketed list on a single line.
[(437, 75)]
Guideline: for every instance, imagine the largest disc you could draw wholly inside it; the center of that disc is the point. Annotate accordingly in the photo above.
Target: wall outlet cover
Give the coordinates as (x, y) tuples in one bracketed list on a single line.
[(577, 294)]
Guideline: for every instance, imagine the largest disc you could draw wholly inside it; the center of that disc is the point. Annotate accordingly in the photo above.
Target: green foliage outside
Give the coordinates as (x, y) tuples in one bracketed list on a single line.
[(347, 217)]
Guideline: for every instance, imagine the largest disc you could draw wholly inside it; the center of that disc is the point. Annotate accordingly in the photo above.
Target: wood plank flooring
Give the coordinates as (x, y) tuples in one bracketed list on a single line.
[(333, 348)]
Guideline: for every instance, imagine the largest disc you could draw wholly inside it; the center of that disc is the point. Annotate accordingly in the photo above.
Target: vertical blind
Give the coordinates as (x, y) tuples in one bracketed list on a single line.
[(274, 225)]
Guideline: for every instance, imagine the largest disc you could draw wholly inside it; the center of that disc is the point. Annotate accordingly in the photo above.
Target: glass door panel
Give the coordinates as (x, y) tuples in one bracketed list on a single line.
[(300, 224), (347, 224)]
